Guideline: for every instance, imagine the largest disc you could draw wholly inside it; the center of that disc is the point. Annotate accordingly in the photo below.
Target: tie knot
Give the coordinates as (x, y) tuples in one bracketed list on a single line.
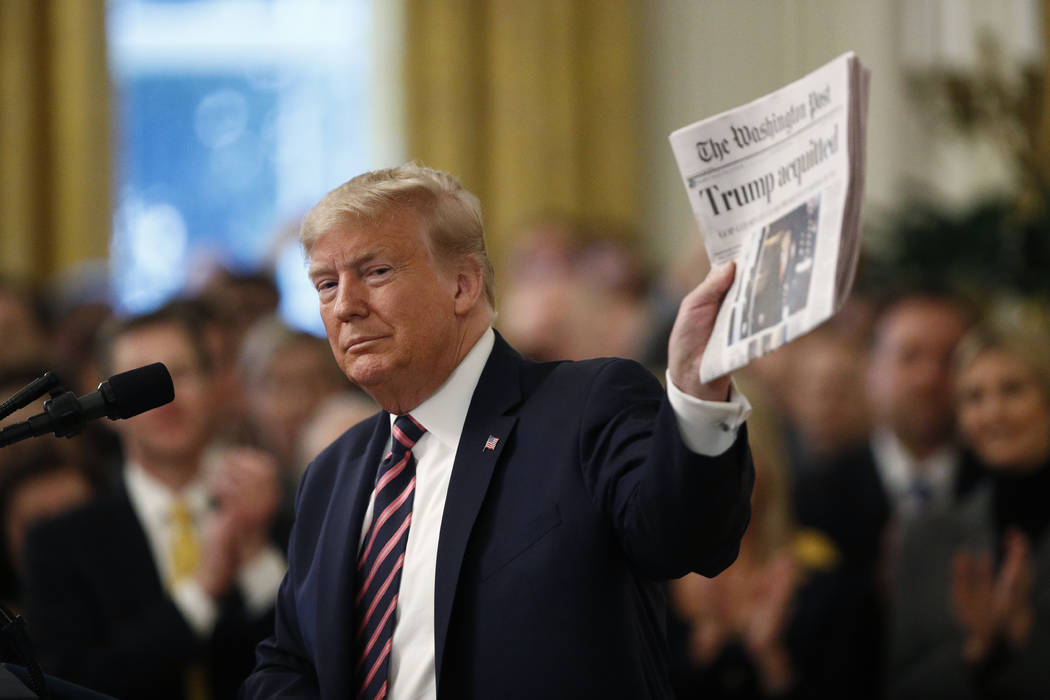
[(407, 432), (180, 513)]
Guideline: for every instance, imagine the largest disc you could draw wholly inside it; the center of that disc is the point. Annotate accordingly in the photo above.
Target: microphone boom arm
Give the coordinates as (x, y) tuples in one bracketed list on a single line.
[(31, 392)]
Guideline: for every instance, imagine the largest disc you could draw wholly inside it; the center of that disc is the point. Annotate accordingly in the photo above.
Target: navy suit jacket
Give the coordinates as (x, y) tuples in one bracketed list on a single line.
[(100, 616), (552, 545)]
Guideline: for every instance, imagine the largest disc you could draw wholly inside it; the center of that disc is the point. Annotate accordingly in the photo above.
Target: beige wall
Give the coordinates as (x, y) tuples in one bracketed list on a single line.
[(705, 56)]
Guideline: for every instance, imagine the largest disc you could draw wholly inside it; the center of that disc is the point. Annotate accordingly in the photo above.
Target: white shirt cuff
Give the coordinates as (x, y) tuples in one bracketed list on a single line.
[(196, 606), (708, 428), (260, 578)]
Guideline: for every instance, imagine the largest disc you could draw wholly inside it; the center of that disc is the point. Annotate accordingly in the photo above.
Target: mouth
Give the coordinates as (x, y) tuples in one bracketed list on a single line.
[(357, 344)]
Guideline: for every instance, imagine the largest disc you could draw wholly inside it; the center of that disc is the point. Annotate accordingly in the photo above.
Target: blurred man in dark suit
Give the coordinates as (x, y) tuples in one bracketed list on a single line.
[(163, 590), (909, 464)]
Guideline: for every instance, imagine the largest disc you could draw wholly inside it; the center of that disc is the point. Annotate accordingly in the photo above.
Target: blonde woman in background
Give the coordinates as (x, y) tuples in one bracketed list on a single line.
[(972, 605)]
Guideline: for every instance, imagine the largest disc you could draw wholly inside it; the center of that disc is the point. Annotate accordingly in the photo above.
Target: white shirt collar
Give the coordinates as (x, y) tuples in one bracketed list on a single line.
[(898, 468), (445, 412), (152, 498)]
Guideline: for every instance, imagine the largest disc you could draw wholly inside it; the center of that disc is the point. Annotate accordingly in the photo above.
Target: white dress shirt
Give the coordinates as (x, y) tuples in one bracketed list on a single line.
[(901, 474), (707, 428), (152, 502)]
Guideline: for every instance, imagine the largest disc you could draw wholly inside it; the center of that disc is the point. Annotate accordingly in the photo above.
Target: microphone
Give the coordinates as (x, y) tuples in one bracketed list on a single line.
[(121, 396)]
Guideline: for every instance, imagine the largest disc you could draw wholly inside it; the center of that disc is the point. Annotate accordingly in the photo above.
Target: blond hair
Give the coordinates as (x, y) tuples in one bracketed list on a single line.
[(1025, 342), (452, 213)]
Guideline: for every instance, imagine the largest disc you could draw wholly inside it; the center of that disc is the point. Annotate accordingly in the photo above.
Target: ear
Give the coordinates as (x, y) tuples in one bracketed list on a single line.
[(469, 287)]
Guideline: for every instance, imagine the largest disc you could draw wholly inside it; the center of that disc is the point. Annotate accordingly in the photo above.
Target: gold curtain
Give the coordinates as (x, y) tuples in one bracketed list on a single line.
[(54, 136), (1042, 126), (531, 103)]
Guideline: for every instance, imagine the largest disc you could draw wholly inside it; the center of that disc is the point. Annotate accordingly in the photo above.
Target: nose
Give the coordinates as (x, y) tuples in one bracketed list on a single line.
[(350, 301), (992, 406)]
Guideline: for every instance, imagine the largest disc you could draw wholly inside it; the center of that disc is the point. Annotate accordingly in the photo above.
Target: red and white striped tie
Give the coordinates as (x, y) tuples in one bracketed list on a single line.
[(382, 556)]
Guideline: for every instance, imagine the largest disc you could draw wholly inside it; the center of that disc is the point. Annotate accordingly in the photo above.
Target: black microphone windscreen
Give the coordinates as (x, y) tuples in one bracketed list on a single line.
[(140, 389)]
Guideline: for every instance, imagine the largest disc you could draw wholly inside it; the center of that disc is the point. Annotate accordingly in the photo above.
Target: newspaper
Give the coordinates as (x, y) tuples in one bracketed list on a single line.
[(776, 186)]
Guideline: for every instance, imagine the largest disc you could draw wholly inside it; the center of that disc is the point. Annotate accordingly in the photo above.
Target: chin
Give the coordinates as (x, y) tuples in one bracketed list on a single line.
[(367, 374), (1012, 462)]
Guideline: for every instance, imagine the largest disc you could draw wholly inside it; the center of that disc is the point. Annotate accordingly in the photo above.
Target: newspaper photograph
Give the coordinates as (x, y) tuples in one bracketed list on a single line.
[(776, 186)]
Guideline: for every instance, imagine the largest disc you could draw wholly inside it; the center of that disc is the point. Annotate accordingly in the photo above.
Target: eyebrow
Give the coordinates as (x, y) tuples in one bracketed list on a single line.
[(317, 270)]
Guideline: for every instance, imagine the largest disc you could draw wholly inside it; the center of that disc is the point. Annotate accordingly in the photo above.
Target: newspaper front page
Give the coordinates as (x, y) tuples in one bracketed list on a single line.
[(776, 186)]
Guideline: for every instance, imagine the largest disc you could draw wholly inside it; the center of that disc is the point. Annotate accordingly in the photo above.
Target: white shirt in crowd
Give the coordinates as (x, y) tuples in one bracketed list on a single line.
[(152, 501), (913, 485)]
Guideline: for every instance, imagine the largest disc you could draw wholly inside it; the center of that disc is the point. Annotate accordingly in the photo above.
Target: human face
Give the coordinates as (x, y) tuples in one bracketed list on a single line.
[(177, 431), (390, 311), (41, 497), (910, 374), (1003, 412), (823, 395), (298, 378)]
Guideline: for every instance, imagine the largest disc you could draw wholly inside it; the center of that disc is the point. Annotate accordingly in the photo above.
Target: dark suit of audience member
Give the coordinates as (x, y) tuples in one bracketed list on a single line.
[(104, 617), (162, 590), (846, 500), (909, 463)]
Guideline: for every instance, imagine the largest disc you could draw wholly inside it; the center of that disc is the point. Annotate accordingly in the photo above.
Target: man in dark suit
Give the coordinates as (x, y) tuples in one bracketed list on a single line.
[(910, 465), (163, 589), (911, 460), (513, 542)]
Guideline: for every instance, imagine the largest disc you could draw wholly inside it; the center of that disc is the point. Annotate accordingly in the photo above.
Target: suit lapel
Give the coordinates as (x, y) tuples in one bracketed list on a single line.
[(341, 534), (134, 557), (498, 391)]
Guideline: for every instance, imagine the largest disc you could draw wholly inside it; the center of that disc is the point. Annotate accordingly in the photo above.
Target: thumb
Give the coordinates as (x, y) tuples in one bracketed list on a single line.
[(715, 285)]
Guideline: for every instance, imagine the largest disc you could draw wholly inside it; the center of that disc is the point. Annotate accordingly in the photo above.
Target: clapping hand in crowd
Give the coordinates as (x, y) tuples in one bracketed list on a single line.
[(246, 493), (993, 606)]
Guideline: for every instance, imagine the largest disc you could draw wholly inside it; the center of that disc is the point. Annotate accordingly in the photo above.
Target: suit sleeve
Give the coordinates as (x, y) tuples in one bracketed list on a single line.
[(674, 511), (283, 668)]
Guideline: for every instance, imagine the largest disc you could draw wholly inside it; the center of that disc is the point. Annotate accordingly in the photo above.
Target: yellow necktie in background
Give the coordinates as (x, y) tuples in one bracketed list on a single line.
[(185, 554), (185, 558)]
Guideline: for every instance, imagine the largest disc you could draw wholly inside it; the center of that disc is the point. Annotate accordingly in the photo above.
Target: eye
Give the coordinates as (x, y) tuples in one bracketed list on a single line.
[(325, 285), (380, 271), (1012, 387)]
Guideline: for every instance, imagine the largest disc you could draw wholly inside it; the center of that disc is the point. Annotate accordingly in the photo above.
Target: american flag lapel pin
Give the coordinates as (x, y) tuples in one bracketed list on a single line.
[(490, 444)]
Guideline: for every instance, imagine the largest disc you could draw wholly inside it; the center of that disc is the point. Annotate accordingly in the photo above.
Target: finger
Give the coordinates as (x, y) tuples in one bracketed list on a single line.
[(962, 568), (715, 285), (1016, 564), (250, 459), (983, 572), (1015, 544)]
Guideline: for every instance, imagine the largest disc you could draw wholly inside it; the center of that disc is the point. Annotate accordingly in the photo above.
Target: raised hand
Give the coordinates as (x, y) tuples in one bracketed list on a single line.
[(692, 332)]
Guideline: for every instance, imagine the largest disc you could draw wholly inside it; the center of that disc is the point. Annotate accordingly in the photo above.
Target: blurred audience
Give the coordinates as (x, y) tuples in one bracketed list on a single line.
[(222, 337), (163, 589), (47, 478), (826, 411), (23, 326), (574, 291), (285, 376), (911, 459), (730, 635), (775, 624), (909, 462), (240, 298), (971, 606), (337, 414)]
